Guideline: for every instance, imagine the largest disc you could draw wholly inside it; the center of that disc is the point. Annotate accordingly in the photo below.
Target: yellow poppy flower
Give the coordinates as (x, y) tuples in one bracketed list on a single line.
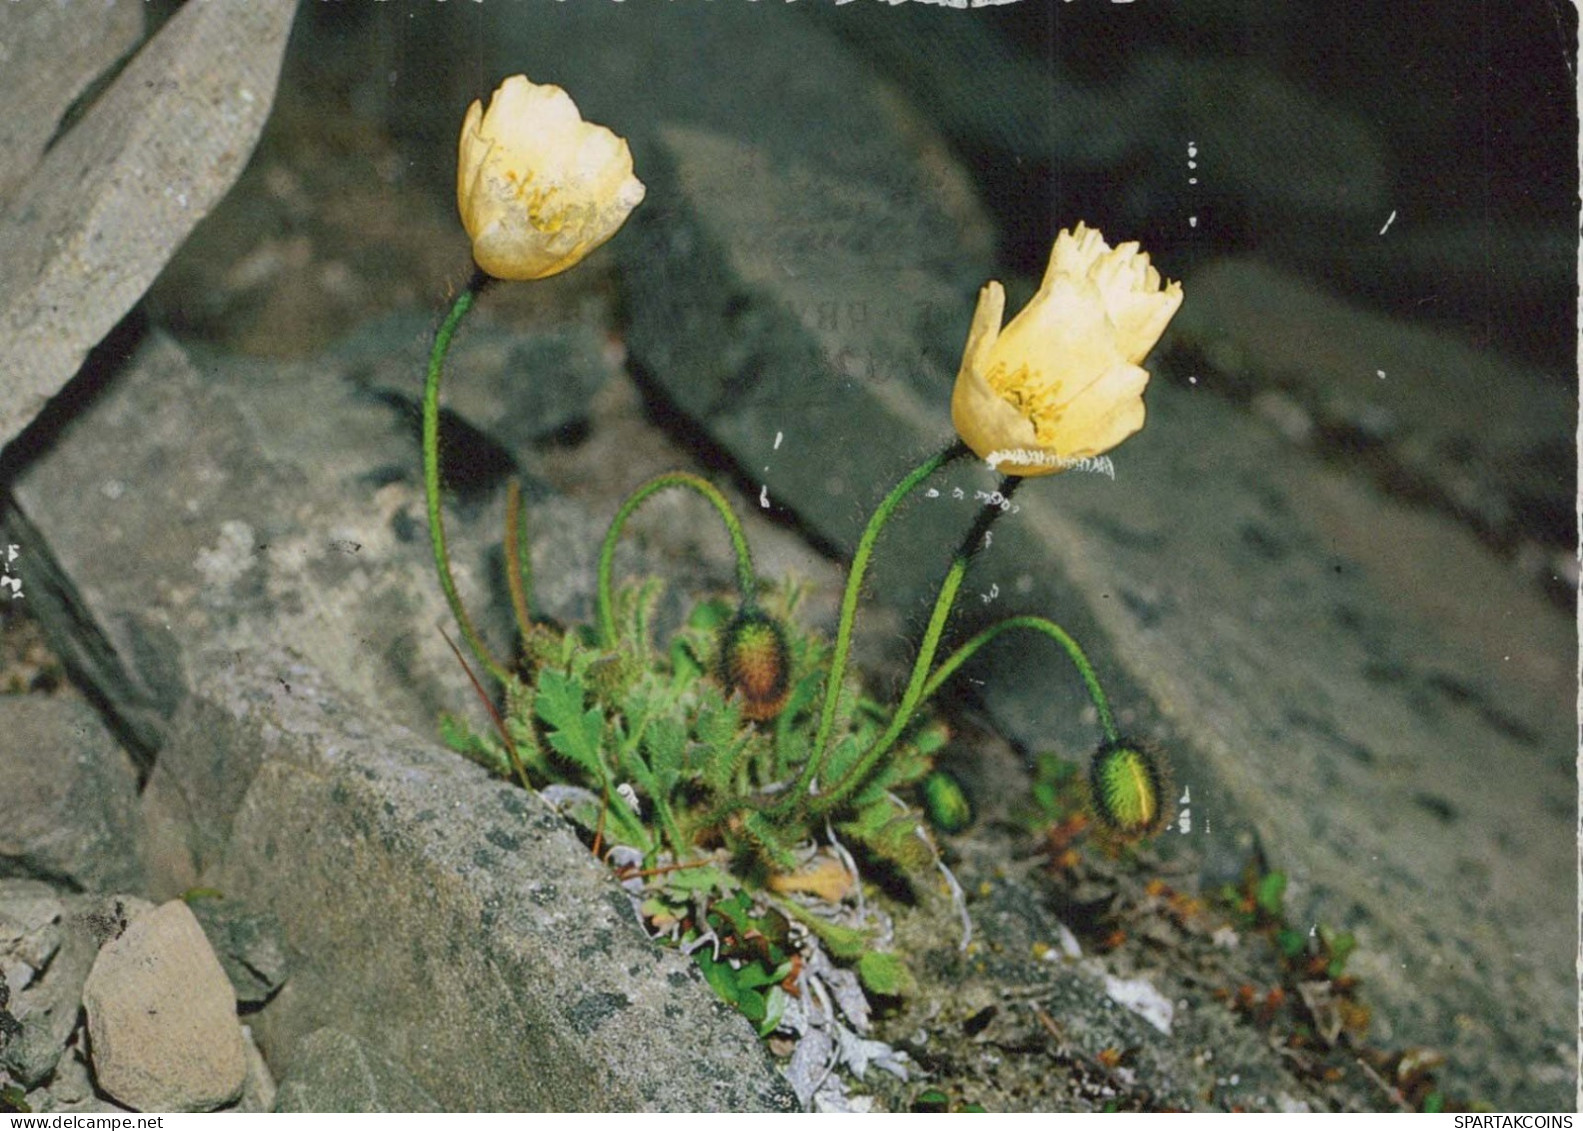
[(539, 188), (1062, 381)]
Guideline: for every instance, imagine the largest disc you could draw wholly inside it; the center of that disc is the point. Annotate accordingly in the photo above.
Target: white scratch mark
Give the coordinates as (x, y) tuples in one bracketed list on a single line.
[(1388, 221), (764, 496), (779, 436)]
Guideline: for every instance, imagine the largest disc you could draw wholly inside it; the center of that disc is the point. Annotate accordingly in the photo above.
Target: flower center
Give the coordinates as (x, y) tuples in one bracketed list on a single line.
[(1033, 398)]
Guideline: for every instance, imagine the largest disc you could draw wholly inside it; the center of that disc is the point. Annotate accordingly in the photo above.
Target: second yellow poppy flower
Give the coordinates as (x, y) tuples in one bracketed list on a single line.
[(1062, 381)]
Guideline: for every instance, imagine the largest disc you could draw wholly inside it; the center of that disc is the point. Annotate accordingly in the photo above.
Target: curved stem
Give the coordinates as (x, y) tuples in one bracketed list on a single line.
[(431, 470), (975, 539), (854, 587), (747, 583), (828, 799), (519, 560), (1074, 652)]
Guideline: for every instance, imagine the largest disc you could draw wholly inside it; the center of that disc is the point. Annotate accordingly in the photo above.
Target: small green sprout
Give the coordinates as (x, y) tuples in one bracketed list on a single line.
[(946, 803)]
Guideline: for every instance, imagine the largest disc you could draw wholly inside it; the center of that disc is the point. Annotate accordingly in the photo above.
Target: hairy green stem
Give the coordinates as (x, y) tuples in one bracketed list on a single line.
[(972, 542), (431, 471), (747, 583), (843, 636), (519, 560), (1074, 652), (827, 799)]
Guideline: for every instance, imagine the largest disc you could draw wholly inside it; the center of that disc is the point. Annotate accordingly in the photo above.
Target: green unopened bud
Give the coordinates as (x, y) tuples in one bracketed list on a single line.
[(1130, 787), (755, 664), (947, 806)]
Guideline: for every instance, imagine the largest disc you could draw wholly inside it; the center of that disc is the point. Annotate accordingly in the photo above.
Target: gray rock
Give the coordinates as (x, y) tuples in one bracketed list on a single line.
[(1488, 283), (99, 214), (1184, 1064), (985, 91), (69, 812), (53, 53), (1394, 400), (334, 556), (31, 930), (70, 1084), (251, 947), (333, 1071), (70, 1089), (48, 941), (511, 937), (258, 1090), (162, 1018)]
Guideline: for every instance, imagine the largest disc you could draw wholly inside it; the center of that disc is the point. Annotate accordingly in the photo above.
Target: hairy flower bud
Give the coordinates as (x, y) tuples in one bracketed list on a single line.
[(1130, 788), (756, 664)]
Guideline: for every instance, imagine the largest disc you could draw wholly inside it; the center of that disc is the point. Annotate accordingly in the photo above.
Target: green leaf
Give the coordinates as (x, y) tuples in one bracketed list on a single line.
[(705, 878), (1290, 942), (886, 974), (685, 663), (842, 758), (576, 734), (1270, 893), (774, 1009), (488, 753), (769, 843), (752, 1005), (722, 743), (756, 975), (804, 690), (1434, 1103), (708, 616), (901, 841), (900, 767), (1340, 945), (666, 743), (870, 819), (734, 914), (946, 803), (720, 976), (843, 942)]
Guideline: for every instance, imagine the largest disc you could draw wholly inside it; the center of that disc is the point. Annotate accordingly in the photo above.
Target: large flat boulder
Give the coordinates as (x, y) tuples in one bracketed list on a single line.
[(88, 221)]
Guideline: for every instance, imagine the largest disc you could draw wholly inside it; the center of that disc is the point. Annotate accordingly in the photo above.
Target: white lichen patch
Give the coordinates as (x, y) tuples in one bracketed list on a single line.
[(231, 557), (1142, 998)]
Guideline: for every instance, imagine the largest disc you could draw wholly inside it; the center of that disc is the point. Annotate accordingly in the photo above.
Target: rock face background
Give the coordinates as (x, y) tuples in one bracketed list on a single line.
[(1333, 575)]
